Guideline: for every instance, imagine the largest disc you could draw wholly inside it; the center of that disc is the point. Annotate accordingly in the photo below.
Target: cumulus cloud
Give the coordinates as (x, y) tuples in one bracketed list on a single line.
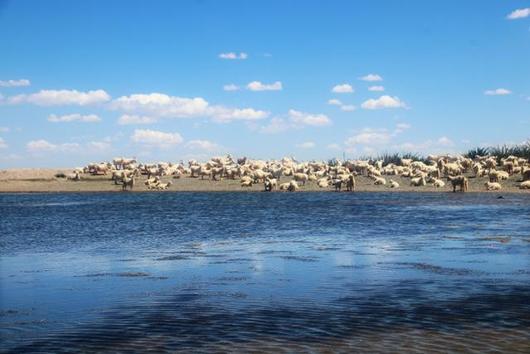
[(372, 78), (306, 145), (61, 97), (42, 146), (230, 87), (371, 138), (342, 88), (497, 92), (156, 138), (302, 118), (294, 120), (90, 118), (518, 14), (15, 83), (204, 145), (383, 102), (164, 106), (127, 119), (276, 125), (259, 86), (3, 144), (445, 141), (334, 102), (376, 88), (225, 115), (233, 56)]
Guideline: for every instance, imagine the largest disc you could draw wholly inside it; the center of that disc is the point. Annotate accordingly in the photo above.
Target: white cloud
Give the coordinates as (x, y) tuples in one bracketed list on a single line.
[(233, 56), (15, 83), (225, 115), (445, 141), (90, 118), (334, 102), (428, 146), (369, 136), (156, 138), (161, 105), (276, 125), (376, 88), (3, 144), (383, 102), (519, 13), (204, 145), (401, 127), (4, 129), (306, 145), (301, 118), (372, 78), (127, 119), (230, 87), (259, 86), (342, 88), (348, 108), (41, 146), (98, 146), (61, 97), (333, 146), (497, 92)]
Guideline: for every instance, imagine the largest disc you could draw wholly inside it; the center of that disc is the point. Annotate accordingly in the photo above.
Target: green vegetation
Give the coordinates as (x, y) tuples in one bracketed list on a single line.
[(502, 151)]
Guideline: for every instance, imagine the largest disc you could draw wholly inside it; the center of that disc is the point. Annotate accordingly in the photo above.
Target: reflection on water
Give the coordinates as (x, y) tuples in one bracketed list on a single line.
[(265, 272)]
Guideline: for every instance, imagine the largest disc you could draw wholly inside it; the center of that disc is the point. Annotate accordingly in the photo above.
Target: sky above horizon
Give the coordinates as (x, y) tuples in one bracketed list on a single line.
[(88, 81)]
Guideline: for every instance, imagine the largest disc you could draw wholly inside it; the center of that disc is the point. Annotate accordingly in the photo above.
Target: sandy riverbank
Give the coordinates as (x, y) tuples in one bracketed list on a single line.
[(43, 180)]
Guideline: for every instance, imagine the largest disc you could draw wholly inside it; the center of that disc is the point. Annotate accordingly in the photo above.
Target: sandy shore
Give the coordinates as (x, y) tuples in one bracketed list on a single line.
[(43, 180)]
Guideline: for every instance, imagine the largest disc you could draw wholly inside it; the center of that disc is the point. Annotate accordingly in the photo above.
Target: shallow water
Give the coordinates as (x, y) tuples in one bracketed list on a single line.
[(396, 272)]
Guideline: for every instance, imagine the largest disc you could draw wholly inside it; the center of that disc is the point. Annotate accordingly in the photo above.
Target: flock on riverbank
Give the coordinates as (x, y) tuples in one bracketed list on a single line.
[(452, 172)]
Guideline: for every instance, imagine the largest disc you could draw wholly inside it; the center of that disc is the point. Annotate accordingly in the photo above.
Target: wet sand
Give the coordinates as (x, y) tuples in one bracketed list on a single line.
[(44, 180)]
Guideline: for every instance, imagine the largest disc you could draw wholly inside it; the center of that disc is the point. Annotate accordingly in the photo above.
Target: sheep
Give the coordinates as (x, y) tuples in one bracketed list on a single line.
[(493, 186), (526, 174), (301, 177), (270, 184), (323, 182), (418, 181), (73, 176), (284, 186), (393, 184), (379, 181), (246, 183), (127, 182), (525, 185), (293, 186), (350, 183), (162, 186), (461, 181), (496, 176), (438, 183)]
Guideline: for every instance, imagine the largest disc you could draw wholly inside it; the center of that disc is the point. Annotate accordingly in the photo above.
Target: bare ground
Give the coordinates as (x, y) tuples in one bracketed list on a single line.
[(44, 180)]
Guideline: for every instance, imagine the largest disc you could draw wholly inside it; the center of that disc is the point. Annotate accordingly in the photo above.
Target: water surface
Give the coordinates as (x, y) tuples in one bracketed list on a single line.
[(380, 272)]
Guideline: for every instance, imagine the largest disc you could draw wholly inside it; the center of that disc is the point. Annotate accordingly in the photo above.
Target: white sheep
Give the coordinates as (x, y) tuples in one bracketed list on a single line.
[(493, 186)]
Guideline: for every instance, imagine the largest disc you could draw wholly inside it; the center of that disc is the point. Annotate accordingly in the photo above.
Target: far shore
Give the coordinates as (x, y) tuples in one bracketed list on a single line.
[(44, 181)]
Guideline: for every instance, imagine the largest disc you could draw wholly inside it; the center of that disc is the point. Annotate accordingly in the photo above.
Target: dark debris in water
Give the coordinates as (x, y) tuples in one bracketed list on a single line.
[(437, 269), (300, 258)]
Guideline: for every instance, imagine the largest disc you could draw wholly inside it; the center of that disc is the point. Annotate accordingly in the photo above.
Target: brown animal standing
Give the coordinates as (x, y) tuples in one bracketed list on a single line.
[(459, 181)]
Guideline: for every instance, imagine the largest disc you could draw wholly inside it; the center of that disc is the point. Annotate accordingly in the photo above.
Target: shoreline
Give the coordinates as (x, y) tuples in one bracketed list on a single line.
[(33, 181)]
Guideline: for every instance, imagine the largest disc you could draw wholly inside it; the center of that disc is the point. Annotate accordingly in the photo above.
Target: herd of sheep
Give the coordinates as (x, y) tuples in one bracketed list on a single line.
[(436, 171)]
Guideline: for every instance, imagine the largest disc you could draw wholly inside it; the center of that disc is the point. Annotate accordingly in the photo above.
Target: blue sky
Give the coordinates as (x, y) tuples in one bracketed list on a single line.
[(167, 80)]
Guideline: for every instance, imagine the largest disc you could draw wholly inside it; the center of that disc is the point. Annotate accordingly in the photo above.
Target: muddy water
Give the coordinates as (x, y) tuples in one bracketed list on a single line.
[(265, 272)]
